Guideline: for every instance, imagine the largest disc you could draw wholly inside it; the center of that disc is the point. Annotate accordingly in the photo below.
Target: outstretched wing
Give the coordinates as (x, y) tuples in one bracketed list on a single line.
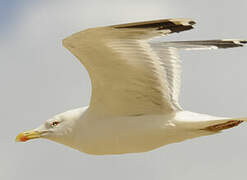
[(129, 75), (203, 44), (167, 51)]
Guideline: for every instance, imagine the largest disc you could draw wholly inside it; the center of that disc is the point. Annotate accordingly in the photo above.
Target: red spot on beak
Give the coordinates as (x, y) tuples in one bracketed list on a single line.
[(24, 138)]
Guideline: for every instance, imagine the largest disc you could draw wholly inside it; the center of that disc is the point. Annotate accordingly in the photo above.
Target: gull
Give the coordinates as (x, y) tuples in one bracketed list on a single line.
[(135, 90)]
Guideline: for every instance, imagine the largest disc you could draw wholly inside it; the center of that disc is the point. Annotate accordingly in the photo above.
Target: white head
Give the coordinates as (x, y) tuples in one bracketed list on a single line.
[(60, 128)]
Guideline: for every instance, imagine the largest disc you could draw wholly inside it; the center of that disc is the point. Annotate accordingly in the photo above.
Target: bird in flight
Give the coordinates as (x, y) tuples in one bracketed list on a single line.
[(135, 89)]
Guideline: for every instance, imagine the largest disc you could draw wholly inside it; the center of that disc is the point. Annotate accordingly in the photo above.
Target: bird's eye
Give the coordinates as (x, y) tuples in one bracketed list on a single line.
[(54, 123)]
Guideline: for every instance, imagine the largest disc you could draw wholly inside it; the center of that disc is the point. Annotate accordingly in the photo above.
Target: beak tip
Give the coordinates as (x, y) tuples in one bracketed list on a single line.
[(27, 135), (21, 138)]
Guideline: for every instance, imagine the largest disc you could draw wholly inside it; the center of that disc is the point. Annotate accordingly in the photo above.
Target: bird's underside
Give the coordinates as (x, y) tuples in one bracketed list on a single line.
[(135, 90)]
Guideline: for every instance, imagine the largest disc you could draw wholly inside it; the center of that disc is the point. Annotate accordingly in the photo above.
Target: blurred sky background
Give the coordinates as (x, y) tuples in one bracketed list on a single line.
[(39, 78)]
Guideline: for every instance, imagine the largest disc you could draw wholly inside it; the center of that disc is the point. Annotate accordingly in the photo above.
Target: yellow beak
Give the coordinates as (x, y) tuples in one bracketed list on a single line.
[(27, 135)]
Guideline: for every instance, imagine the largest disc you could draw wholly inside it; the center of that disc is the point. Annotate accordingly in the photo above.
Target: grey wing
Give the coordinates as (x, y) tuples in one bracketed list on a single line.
[(131, 76), (168, 53), (128, 76), (170, 60)]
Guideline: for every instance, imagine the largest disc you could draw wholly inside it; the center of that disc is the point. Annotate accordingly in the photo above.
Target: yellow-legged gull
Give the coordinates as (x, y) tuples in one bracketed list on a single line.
[(135, 89)]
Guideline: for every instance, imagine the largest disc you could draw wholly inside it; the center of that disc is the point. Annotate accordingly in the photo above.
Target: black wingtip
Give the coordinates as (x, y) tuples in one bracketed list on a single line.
[(174, 25), (228, 43), (192, 23), (243, 41)]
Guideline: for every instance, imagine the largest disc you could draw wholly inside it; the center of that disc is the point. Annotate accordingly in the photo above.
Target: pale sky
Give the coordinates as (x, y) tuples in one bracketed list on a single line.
[(39, 78)]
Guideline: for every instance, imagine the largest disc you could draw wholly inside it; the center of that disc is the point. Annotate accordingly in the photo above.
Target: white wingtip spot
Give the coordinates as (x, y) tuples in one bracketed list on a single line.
[(236, 41), (183, 21)]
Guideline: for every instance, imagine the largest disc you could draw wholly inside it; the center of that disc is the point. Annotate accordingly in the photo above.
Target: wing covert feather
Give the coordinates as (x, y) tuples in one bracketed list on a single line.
[(128, 76)]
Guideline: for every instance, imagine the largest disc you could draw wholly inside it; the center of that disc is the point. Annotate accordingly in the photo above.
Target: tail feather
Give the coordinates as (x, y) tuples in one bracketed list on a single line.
[(204, 44)]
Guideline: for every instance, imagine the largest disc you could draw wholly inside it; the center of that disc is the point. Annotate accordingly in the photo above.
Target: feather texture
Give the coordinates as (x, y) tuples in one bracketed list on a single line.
[(131, 76)]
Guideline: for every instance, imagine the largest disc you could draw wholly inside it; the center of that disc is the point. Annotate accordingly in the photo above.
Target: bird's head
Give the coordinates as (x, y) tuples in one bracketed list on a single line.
[(59, 129)]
